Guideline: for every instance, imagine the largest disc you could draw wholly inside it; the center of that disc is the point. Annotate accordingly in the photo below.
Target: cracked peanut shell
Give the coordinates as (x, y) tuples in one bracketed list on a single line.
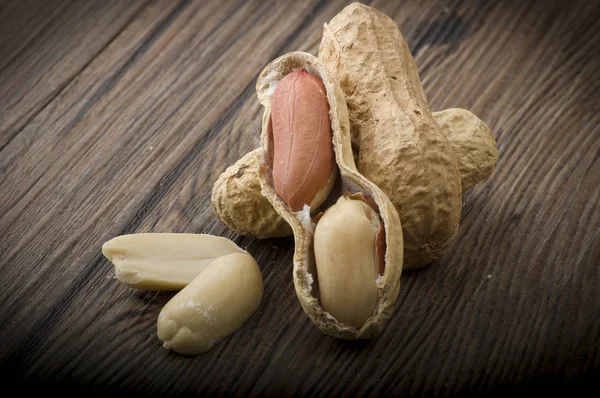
[(303, 227)]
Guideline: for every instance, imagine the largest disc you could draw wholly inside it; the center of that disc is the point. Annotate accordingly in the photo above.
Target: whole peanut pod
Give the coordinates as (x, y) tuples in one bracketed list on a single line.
[(237, 200), (402, 149), (307, 280)]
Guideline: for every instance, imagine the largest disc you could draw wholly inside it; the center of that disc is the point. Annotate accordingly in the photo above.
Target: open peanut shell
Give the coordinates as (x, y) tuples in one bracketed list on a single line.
[(349, 180)]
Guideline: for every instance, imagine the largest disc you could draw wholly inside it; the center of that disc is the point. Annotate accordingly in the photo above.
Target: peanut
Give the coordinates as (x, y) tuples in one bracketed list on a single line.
[(347, 260), (238, 203), (473, 144), (303, 160), (216, 303), (164, 261), (378, 234), (402, 149)]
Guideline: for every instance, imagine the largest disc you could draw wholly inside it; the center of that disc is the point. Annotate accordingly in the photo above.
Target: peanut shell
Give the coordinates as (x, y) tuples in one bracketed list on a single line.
[(402, 149), (237, 201), (305, 277), (473, 144)]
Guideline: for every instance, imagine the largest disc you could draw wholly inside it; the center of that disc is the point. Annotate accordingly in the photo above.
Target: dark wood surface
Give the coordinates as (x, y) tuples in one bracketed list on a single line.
[(117, 117)]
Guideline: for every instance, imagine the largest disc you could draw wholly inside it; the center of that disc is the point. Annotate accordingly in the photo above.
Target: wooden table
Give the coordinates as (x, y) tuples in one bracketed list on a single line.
[(116, 117)]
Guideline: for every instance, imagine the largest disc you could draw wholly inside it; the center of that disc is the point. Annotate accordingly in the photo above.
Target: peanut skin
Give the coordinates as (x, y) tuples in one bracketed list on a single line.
[(303, 158)]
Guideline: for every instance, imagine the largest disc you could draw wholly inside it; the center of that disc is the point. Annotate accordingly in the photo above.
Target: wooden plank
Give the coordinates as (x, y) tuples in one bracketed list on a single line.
[(23, 21), (60, 40), (136, 137)]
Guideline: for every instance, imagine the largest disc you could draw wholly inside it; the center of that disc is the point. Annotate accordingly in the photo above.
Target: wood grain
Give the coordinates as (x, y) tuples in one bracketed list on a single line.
[(117, 117)]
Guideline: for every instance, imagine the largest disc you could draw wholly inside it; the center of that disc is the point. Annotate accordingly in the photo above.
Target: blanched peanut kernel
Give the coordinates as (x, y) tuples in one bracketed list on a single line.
[(347, 260), (216, 303), (164, 261)]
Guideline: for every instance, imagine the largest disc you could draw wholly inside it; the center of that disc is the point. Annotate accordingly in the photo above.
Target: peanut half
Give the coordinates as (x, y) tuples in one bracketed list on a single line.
[(348, 260), (216, 303), (303, 164), (164, 261), (238, 203)]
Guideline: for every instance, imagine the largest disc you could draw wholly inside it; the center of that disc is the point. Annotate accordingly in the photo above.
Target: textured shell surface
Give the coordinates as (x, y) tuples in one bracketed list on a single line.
[(305, 279), (473, 144), (402, 149), (237, 201)]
